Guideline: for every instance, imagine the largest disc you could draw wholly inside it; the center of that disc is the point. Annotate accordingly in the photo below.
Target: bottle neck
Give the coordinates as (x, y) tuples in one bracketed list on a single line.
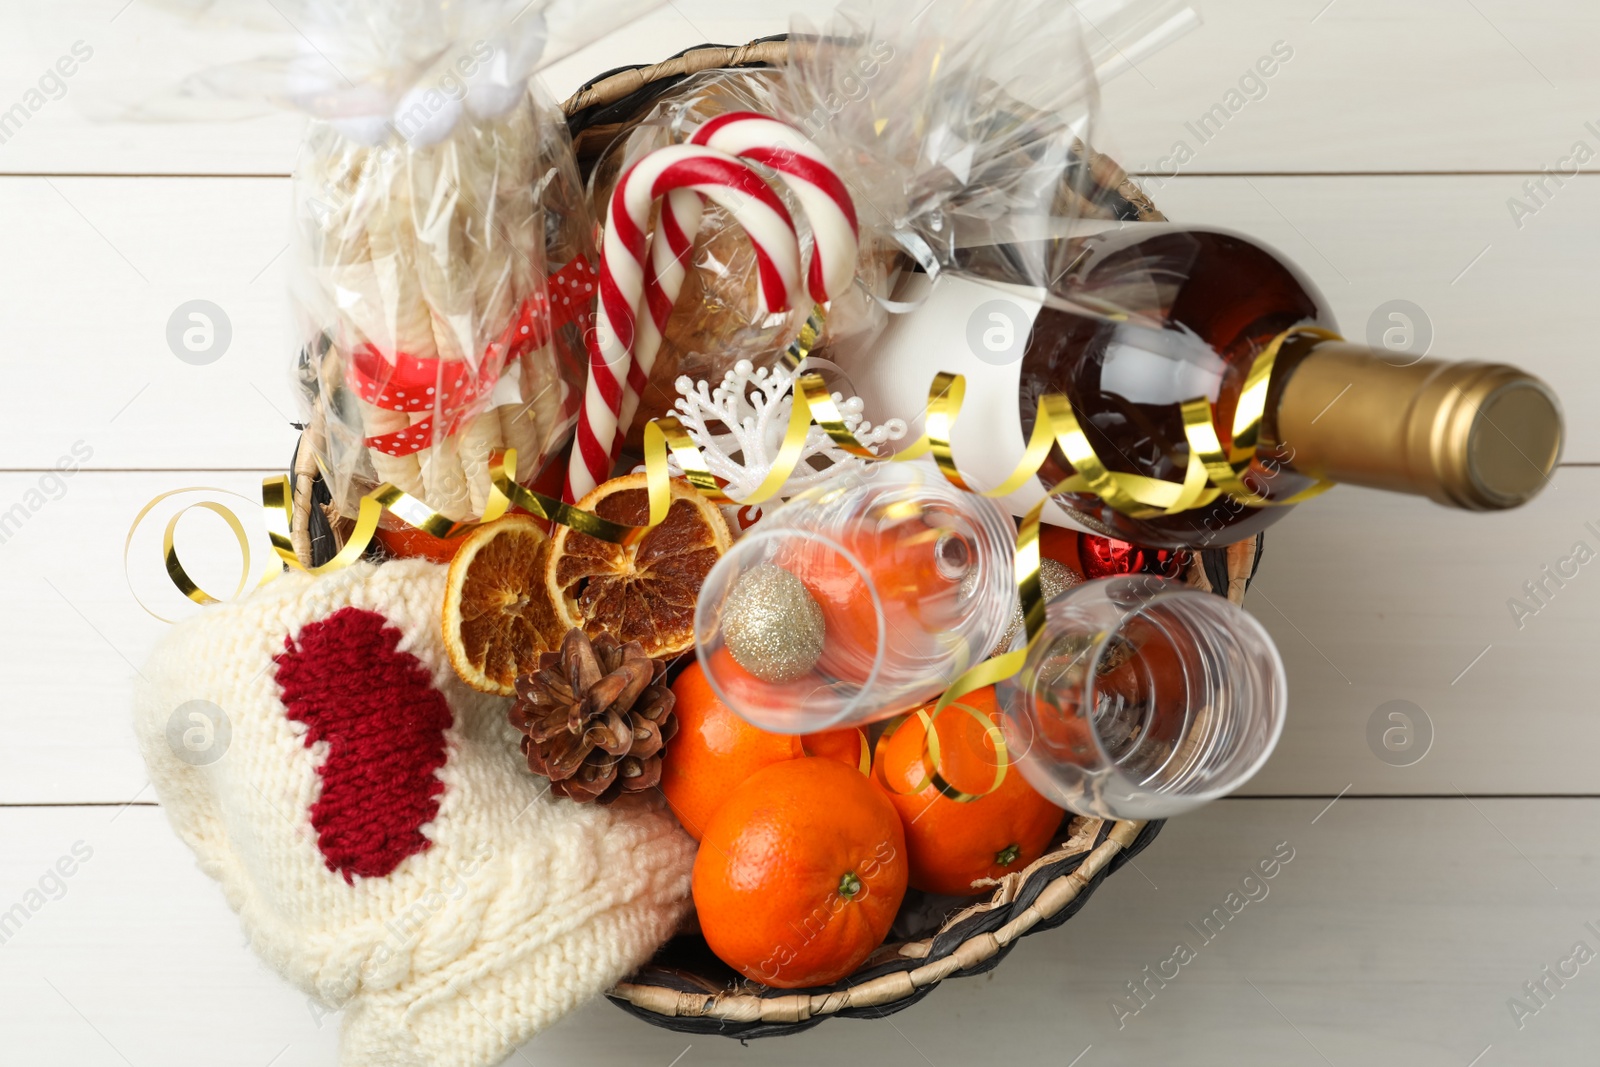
[(1481, 436)]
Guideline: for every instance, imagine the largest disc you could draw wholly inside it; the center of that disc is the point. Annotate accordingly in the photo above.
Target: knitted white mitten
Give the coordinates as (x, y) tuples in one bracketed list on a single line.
[(369, 818)]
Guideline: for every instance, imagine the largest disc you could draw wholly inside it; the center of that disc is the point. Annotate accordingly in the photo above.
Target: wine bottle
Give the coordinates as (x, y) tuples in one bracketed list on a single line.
[(1147, 316)]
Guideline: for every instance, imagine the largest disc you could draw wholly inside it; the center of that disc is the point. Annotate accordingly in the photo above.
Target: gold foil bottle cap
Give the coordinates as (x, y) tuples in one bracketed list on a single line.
[(1494, 436), (1480, 436)]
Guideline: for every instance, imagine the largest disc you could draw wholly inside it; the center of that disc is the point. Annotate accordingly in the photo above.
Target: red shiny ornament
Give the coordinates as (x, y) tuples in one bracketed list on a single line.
[(1103, 557)]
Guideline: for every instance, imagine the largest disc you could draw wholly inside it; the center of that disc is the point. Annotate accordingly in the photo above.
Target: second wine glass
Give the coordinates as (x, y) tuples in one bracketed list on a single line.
[(856, 600), (1143, 698)]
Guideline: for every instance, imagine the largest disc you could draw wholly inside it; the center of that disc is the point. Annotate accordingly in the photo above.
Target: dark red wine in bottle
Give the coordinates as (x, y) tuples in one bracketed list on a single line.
[(1146, 316)]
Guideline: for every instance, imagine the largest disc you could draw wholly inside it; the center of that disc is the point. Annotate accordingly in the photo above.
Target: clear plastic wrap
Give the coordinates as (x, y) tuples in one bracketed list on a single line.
[(717, 320), (963, 127), (445, 286), (444, 259), (362, 63), (445, 256)]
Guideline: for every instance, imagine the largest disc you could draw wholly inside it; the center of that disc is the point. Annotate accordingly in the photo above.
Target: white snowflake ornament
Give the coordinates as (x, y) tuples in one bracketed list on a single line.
[(739, 428)]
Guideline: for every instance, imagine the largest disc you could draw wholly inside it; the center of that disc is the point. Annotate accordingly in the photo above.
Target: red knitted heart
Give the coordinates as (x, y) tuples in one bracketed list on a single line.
[(384, 725)]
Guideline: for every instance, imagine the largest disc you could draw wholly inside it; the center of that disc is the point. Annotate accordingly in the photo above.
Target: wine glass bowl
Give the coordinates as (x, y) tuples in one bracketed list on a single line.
[(898, 579), (1143, 698)]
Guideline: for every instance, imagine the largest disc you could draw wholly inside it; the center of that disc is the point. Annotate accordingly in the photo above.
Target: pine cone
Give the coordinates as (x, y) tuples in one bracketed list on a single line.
[(596, 717)]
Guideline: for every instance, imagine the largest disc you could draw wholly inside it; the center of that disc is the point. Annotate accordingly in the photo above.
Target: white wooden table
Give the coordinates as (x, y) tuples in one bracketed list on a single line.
[(1382, 156)]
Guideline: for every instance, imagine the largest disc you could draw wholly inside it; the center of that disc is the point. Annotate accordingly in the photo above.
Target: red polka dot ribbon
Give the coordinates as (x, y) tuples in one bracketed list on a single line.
[(450, 389)]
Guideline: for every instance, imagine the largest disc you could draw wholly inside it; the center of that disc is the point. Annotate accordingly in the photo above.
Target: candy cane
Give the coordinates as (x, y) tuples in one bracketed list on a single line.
[(669, 263), (707, 172), (806, 170)]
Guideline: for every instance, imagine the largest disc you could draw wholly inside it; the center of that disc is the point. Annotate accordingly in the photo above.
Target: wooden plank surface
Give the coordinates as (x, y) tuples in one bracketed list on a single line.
[(1374, 598), (1411, 914), (105, 264), (111, 260), (74, 634), (140, 51), (1395, 935), (1371, 85), (1370, 597)]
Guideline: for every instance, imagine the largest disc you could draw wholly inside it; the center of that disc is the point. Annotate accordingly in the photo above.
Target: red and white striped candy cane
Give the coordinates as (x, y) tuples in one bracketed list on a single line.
[(669, 265), (706, 172), (821, 192), (807, 171)]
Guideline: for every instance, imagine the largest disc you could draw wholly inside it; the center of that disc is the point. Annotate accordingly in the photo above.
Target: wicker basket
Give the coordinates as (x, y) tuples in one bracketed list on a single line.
[(685, 987)]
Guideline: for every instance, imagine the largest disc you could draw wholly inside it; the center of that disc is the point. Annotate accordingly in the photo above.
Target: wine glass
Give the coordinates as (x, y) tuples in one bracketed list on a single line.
[(1143, 698), (857, 599)]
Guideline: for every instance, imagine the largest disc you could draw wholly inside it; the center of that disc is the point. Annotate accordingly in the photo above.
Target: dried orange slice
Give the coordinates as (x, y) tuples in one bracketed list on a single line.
[(645, 592), (497, 614)]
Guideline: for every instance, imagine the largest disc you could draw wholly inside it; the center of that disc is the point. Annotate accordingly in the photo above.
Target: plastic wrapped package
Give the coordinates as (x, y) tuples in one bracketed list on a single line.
[(446, 286), (443, 247), (963, 128), (717, 320)]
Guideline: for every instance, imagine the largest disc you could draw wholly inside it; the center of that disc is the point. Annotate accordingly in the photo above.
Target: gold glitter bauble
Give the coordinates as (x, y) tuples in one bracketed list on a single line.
[(1055, 578), (772, 625)]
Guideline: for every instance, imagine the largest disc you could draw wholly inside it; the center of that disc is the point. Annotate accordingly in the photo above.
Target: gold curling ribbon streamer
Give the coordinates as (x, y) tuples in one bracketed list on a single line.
[(1225, 468), (863, 750), (174, 567), (806, 340), (811, 401), (1055, 423), (996, 670), (931, 756), (1135, 495), (277, 508), (1252, 404), (507, 493), (661, 436)]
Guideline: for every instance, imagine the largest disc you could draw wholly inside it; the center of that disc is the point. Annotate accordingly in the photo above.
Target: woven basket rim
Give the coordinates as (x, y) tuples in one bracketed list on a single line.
[(1109, 843), (898, 986), (742, 1012), (620, 82)]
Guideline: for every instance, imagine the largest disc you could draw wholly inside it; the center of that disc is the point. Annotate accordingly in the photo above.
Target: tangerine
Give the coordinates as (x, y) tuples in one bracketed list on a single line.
[(409, 542), (715, 750), (847, 744), (914, 568), (952, 845), (800, 873)]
